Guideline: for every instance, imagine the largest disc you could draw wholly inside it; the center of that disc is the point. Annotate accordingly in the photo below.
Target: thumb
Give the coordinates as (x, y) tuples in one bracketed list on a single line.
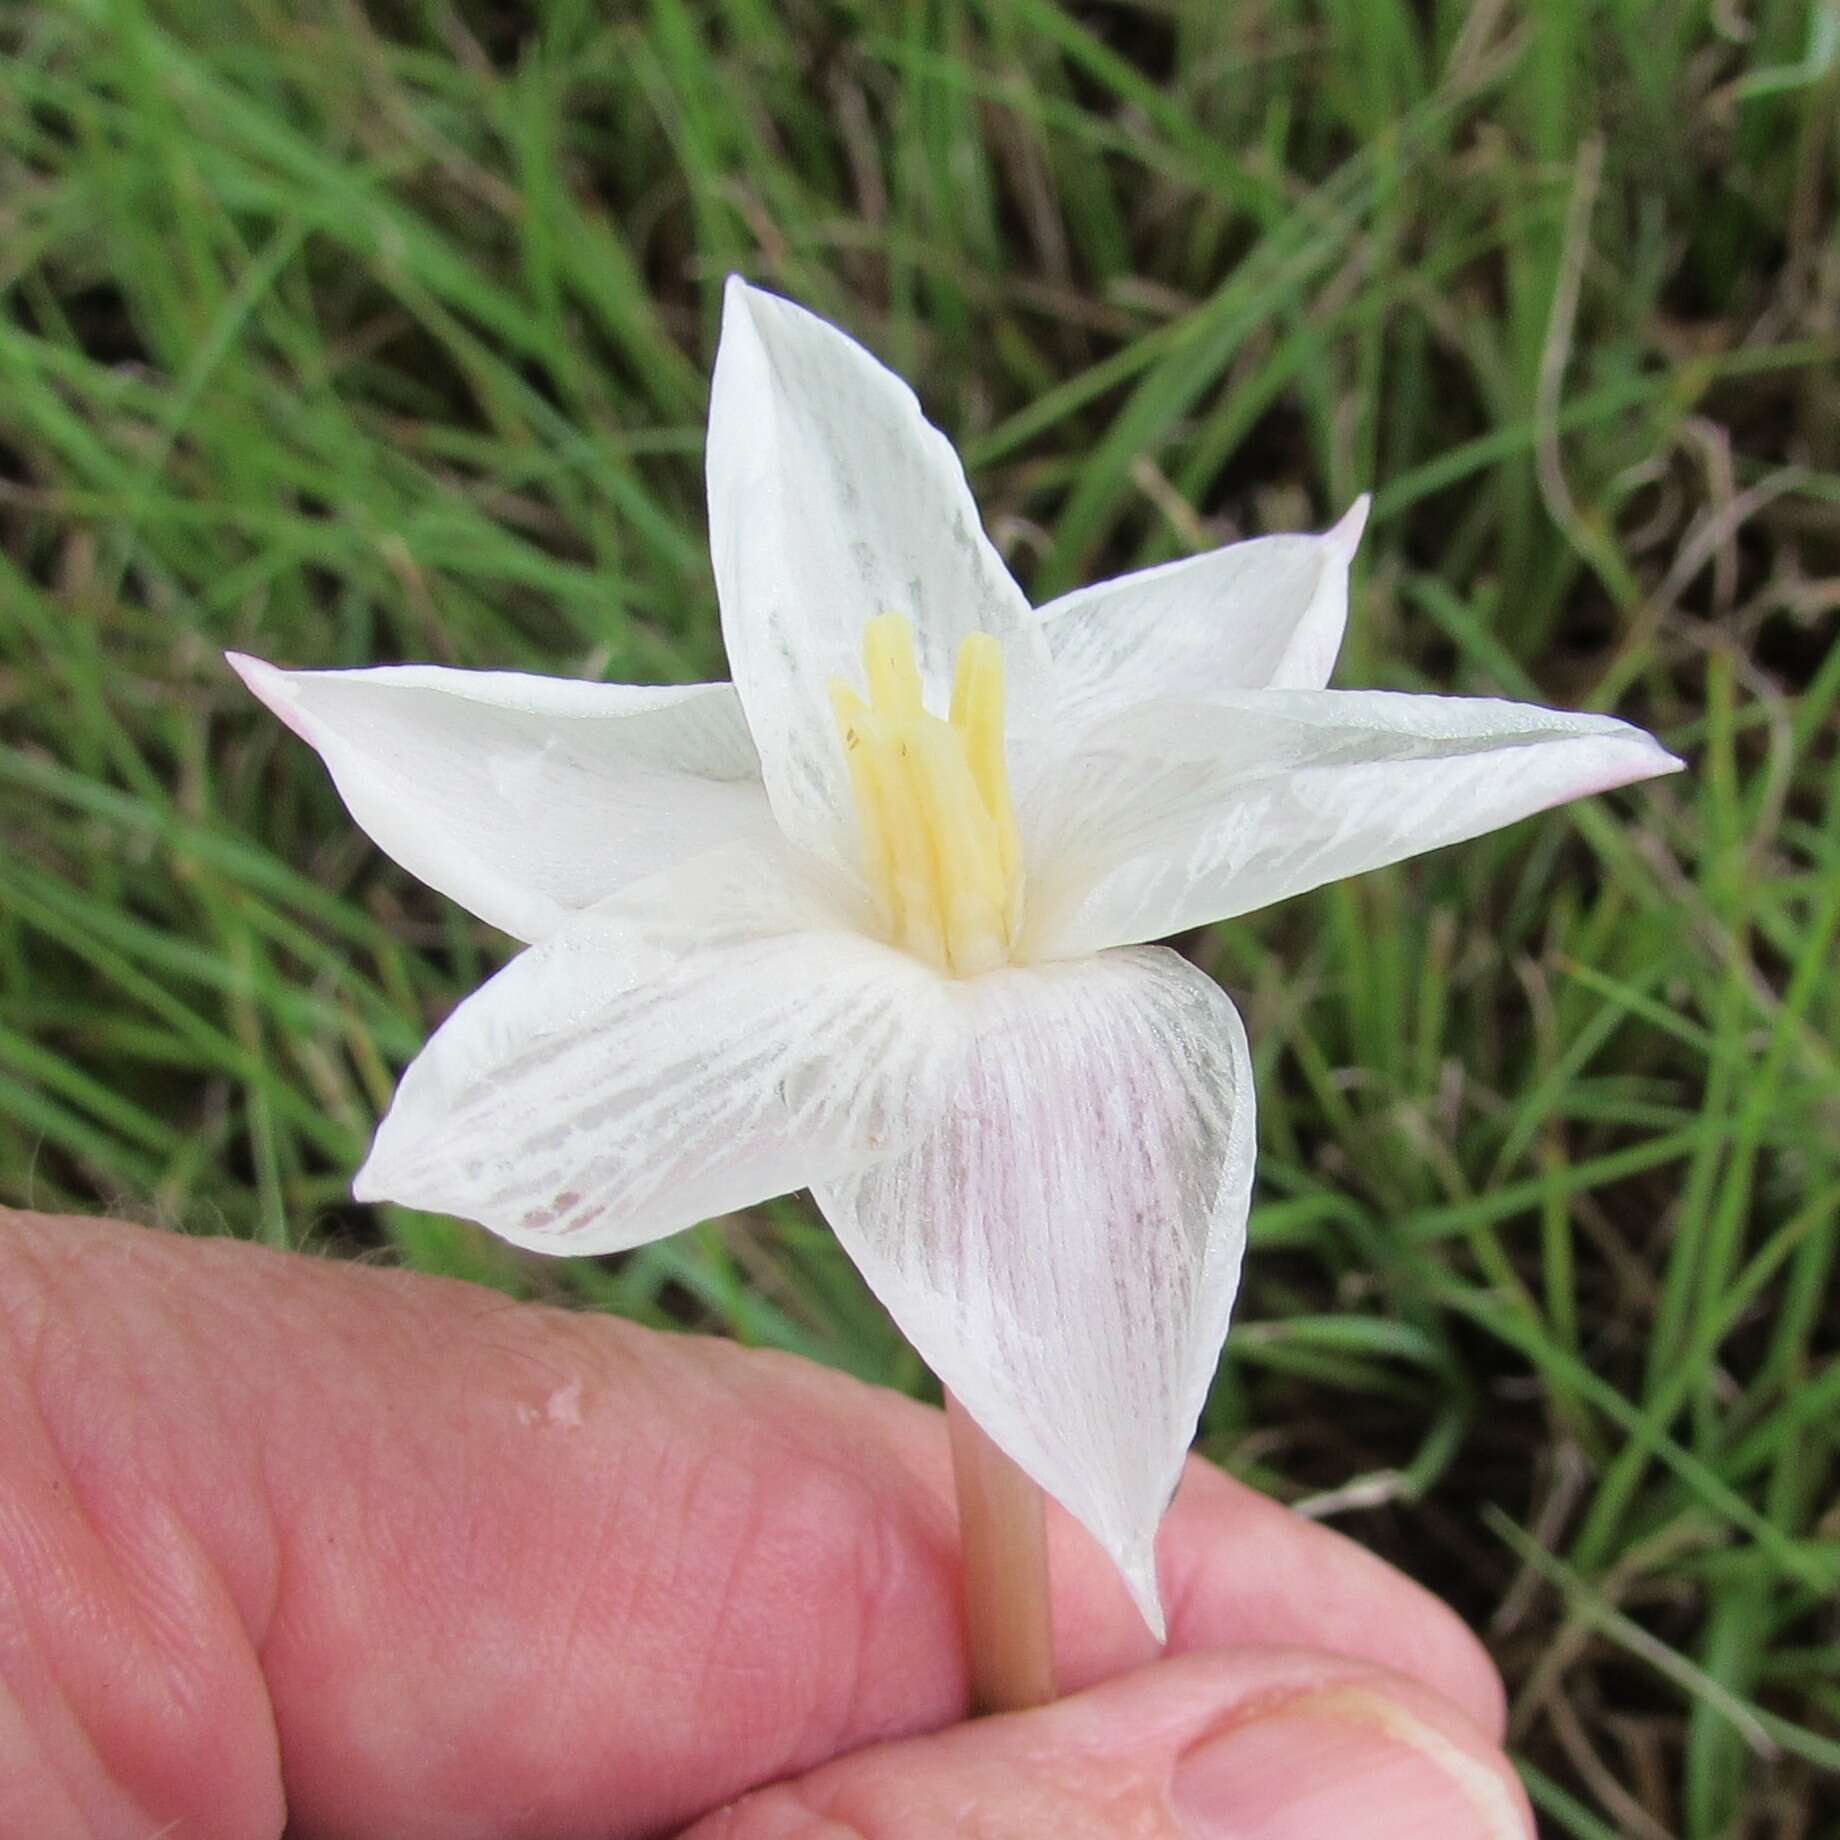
[(1241, 1744)]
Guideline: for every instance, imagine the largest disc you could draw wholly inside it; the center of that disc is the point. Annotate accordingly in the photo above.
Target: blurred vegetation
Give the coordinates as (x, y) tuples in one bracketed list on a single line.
[(348, 333)]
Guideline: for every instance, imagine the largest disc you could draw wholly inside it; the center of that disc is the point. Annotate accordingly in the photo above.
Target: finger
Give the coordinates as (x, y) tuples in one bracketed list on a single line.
[(509, 1570), (1246, 1744)]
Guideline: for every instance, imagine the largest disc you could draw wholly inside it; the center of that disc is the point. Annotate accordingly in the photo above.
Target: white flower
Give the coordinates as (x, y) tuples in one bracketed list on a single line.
[(871, 919)]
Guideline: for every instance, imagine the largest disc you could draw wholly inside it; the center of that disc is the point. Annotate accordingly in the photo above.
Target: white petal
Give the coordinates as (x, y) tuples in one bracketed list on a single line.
[(831, 500), (524, 798), (1178, 814), (704, 1041), (1064, 1247), (1269, 612)]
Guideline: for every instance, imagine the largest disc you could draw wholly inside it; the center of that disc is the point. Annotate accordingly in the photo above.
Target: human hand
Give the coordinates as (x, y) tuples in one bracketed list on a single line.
[(385, 1555)]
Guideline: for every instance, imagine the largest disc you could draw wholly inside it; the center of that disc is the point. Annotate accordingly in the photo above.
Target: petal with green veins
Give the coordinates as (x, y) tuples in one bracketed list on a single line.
[(1177, 814), (707, 1040), (1063, 1247), (1267, 613), (525, 799), (832, 501)]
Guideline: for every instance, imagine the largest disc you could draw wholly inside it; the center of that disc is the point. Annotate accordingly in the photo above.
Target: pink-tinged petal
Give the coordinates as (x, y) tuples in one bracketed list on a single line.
[(1176, 814), (704, 1041), (831, 500), (1265, 613), (525, 799), (1064, 1246)]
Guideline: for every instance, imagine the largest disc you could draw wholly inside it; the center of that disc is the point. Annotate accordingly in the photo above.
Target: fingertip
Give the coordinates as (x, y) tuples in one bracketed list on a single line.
[(1370, 1759), (1250, 1744)]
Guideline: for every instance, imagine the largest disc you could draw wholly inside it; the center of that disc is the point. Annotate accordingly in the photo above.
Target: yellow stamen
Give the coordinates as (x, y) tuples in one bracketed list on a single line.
[(859, 750), (892, 670), (977, 714), (938, 832)]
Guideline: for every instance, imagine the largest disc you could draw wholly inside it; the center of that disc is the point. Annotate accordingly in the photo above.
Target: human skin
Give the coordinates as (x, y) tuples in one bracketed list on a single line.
[(288, 1540)]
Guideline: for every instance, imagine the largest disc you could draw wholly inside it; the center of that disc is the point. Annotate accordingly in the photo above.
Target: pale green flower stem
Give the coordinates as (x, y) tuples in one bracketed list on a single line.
[(1008, 1622)]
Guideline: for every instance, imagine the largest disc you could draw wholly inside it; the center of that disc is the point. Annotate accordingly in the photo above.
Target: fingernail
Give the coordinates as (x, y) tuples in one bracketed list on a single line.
[(1342, 1761)]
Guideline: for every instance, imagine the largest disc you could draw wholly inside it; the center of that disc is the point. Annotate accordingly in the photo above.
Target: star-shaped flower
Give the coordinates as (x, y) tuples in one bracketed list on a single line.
[(872, 919)]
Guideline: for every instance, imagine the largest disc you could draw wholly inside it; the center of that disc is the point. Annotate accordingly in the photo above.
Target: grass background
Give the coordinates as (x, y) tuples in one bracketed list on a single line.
[(348, 333)]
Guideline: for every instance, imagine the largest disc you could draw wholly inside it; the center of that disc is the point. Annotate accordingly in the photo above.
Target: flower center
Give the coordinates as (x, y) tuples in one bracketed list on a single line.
[(932, 801)]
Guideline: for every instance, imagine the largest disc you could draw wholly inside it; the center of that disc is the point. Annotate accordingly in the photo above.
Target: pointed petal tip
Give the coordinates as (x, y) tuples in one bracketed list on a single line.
[(255, 672), (1345, 535), (274, 688), (379, 1180), (1624, 756), (756, 308), (741, 338), (367, 1184), (1139, 1570), (1636, 754), (737, 294), (1650, 760), (744, 369), (392, 1169), (775, 323)]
